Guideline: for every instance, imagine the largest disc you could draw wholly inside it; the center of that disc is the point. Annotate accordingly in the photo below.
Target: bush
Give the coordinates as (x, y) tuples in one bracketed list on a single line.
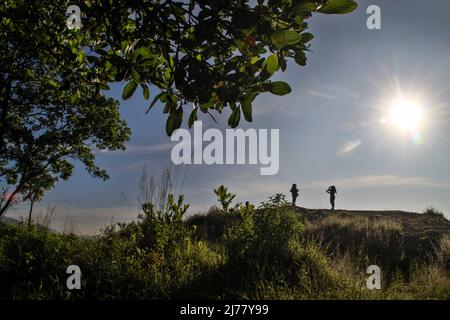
[(148, 259), (266, 232), (261, 246), (434, 212), (212, 226), (33, 262)]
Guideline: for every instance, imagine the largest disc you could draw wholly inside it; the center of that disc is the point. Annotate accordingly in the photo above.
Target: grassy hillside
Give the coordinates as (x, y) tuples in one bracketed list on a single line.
[(413, 235), (275, 251)]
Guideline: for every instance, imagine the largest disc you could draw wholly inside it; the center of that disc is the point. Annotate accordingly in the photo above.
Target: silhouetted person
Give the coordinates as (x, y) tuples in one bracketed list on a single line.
[(294, 192), (332, 191)]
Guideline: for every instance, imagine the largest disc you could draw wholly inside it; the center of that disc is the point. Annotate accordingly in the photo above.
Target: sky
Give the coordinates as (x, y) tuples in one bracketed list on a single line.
[(336, 127)]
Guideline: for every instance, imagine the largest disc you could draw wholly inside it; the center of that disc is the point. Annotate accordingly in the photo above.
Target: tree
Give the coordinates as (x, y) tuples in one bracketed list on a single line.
[(52, 109), (213, 54)]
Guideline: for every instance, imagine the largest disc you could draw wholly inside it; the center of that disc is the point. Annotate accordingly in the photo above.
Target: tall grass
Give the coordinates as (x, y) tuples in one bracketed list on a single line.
[(267, 252), (370, 240)]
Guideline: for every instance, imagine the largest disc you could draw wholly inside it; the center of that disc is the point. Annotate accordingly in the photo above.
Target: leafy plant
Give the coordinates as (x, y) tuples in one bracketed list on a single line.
[(224, 197), (265, 236)]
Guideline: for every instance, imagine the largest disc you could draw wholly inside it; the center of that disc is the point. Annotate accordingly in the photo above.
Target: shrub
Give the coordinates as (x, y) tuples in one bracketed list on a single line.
[(33, 262), (151, 258), (431, 210), (212, 225), (260, 246), (224, 197)]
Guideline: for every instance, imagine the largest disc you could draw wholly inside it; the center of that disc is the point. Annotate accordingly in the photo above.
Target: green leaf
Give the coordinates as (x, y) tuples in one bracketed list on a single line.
[(143, 52), (303, 7), (307, 37), (271, 64), (193, 117), (159, 96), (292, 37), (145, 91), (279, 88), (338, 7), (278, 39), (123, 46), (80, 56), (247, 106), (129, 90), (103, 86), (131, 26), (234, 118), (174, 121), (136, 76), (76, 97), (282, 38), (300, 58), (282, 61)]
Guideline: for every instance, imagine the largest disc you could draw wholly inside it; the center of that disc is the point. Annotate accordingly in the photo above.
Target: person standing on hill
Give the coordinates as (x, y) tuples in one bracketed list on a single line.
[(294, 191), (332, 191)]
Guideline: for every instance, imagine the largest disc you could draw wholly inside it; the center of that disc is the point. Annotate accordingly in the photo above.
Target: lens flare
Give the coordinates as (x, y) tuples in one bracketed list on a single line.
[(406, 114), (416, 137), (349, 147)]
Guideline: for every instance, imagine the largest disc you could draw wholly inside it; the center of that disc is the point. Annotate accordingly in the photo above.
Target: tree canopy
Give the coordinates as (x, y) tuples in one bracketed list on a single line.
[(199, 55), (212, 54), (52, 109)]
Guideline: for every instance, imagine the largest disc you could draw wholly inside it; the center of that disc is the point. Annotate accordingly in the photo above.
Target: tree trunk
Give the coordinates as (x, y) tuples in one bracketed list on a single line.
[(6, 89), (5, 207), (31, 211), (8, 202)]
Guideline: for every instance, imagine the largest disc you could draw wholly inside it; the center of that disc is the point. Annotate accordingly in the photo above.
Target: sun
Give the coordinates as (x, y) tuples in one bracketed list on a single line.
[(406, 114)]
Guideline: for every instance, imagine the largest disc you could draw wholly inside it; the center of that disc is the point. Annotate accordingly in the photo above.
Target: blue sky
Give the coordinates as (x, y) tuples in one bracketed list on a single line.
[(338, 103)]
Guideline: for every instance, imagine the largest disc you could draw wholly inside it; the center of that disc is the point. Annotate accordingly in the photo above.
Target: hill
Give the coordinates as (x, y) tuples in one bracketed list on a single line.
[(396, 238), (7, 220), (12, 221), (428, 224)]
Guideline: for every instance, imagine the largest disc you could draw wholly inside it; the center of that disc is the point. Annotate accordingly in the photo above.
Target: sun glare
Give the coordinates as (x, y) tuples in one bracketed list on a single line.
[(406, 114)]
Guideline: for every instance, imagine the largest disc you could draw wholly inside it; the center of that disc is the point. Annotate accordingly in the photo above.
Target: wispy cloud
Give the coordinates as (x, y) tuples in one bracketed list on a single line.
[(142, 149), (332, 92), (381, 181), (321, 95), (342, 92), (149, 148)]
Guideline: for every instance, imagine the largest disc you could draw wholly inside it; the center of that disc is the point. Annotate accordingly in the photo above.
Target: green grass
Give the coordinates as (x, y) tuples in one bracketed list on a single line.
[(274, 252)]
